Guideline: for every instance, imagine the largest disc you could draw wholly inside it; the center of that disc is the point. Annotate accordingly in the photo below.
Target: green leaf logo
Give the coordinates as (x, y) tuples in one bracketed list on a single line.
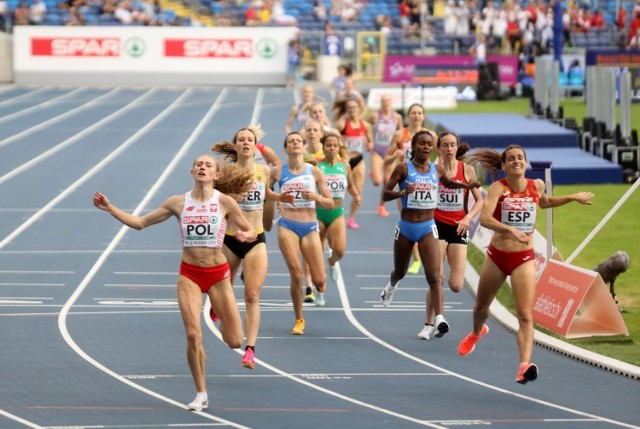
[(267, 48), (134, 47)]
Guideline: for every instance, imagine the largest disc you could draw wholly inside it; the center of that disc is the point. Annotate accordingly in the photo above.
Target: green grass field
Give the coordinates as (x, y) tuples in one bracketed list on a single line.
[(573, 223)]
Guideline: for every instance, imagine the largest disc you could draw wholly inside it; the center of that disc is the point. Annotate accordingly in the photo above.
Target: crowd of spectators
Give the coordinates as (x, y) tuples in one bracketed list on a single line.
[(506, 25)]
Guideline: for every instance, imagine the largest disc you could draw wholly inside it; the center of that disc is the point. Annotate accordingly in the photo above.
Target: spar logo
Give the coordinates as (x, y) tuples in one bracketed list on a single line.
[(76, 46), (208, 48), (267, 48)]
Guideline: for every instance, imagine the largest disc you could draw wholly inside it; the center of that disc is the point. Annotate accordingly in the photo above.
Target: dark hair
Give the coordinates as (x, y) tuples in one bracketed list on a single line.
[(414, 139), (343, 151), (491, 159), (463, 147), (415, 105), (291, 133)]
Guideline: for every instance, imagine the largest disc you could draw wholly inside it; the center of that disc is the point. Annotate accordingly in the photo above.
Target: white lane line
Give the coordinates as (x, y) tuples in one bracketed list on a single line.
[(35, 272), (19, 419), (85, 177), (257, 107), (33, 284), (145, 273), (26, 95), (42, 105), (62, 319), (55, 119), (77, 137), (152, 425), (140, 285), (347, 309), (300, 380)]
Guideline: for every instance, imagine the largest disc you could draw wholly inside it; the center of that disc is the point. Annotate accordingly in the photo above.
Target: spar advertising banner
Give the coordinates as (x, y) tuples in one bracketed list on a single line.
[(445, 69), (176, 55)]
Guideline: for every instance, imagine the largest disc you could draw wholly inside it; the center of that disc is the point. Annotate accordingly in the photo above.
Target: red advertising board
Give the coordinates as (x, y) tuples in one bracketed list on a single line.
[(575, 303)]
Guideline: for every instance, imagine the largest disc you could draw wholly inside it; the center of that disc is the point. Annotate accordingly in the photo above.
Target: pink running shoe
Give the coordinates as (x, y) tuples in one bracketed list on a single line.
[(351, 223), (213, 315), (247, 359)]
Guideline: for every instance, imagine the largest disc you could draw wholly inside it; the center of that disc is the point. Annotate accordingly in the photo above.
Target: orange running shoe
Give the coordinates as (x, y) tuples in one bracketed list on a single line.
[(382, 211), (468, 343), (299, 328), (526, 372)]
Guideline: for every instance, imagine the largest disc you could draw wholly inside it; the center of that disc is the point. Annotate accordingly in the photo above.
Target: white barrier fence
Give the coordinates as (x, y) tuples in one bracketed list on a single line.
[(151, 55)]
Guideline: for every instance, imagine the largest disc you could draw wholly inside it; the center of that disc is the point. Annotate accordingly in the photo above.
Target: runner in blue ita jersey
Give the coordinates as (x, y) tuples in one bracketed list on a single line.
[(418, 180)]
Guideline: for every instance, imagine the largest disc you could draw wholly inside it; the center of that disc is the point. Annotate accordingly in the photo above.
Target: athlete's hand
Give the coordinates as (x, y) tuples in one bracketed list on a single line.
[(308, 195), (584, 197), (101, 201), (287, 197), (520, 236), (463, 226), (240, 236)]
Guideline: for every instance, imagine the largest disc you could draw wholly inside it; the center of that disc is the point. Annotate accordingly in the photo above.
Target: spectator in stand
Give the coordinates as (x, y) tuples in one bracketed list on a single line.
[(414, 13), (319, 10), (450, 18), (37, 11), (634, 25), (279, 17), (621, 19), (124, 12), (489, 15), (499, 30), (264, 12), (566, 27), (251, 14), (109, 8), (463, 14), (4, 12), (345, 10), (635, 40), (403, 7), (21, 14), (74, 17), (597, 20)]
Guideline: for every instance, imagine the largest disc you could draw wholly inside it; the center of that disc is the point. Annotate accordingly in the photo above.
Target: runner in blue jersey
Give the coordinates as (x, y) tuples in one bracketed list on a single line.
[(418, 180)]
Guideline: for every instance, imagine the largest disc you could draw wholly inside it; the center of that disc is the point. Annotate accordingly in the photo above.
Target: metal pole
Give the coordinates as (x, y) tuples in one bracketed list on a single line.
[(546, 166), (609, 100), (555, 89), (625, 104), (590, 91), (423, 23)]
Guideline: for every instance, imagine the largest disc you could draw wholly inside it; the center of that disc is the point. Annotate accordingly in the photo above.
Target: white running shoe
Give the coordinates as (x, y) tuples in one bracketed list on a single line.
[(200, 403), (387, 294), (333, 273), (441, 326), (319, 296), (425, 334)]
